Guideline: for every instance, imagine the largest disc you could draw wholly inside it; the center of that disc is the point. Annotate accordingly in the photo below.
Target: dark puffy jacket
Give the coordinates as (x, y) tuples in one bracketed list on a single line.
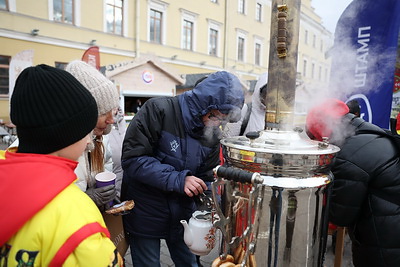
[(163, 144), (366, 194)]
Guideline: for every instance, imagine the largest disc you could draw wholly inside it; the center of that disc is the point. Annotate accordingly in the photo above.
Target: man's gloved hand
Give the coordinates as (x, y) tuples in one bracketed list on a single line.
[(102, 195)]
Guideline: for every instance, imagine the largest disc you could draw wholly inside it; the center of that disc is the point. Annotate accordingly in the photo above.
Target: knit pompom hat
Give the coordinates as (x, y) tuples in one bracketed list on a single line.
[(51, 110), (102, 89), (322, 118)]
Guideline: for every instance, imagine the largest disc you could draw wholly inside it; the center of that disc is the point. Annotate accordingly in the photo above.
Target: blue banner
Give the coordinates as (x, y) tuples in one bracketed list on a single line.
[(364, 57)]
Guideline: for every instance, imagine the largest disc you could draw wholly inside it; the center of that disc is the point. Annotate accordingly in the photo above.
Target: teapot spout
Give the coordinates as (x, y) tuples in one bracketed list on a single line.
[(187, 235)]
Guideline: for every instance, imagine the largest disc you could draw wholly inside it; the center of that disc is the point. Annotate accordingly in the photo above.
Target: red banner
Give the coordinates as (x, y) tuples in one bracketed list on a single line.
[(92, 57)]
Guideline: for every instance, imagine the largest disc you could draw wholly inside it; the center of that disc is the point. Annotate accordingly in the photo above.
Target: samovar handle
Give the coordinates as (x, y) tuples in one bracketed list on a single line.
[(238, 175)]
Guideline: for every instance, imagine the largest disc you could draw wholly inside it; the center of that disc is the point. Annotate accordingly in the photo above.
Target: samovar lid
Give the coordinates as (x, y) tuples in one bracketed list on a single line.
[(279, 142)]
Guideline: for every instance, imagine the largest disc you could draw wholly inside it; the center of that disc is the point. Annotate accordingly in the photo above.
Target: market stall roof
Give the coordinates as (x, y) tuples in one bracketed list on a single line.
[(116, 69)]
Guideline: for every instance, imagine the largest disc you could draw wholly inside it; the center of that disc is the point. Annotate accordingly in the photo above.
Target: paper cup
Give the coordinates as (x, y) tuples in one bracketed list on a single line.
[(105, 178)]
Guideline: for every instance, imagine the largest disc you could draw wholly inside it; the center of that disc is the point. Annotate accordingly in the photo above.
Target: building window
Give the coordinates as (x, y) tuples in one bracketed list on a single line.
[(213, 45), (63, 11), (314, 41), (155, 25), (241, 45), (322, 46), (4, 75), (187, 37), (240, 55), (258, 12), (241, 6), (213, 37), (313, 70), (304, 68), (114, 16), (257, 54), (156, 21), (4, 4), (306, 37), (326, 75), (320, 73)]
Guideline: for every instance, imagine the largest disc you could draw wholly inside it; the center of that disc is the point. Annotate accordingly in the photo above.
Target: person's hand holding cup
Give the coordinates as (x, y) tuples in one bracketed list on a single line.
[(104, 179)]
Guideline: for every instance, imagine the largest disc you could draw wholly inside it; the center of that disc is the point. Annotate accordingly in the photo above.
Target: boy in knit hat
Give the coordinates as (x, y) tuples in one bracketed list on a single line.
[(47, 220), (97, 157)]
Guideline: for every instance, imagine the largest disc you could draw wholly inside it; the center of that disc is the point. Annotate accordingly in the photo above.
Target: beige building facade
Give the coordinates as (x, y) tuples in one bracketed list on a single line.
[(313, 62), (163, 41)]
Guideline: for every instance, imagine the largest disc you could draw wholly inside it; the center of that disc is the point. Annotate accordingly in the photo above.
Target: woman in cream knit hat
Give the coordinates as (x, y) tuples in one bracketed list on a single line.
[(97, 156)]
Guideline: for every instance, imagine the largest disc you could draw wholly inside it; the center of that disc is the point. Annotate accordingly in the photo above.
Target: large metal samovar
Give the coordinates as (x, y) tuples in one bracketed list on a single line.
[(286, 197), (275, 184)]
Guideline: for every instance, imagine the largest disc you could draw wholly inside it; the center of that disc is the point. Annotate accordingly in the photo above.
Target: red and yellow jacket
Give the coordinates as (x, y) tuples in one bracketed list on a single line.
[(46, 219)]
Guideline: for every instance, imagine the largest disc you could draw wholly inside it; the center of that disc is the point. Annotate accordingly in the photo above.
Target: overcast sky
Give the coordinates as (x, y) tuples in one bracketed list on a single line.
[(330, 11)]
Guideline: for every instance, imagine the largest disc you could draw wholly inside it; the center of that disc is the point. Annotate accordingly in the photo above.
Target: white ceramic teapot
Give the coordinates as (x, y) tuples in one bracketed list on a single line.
[(199, 233)]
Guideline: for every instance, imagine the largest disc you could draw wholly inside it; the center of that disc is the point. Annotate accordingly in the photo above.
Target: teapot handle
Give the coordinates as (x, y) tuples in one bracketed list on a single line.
[(205, 202)]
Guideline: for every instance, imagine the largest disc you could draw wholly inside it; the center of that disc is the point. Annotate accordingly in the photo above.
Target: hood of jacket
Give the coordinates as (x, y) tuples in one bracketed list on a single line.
[(221, 91), (256, 97), (256, 120), (32, 181)]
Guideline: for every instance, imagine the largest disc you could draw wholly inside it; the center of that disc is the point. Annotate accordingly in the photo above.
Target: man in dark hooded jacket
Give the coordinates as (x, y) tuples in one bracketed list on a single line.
[(170, 149), (366, 188)]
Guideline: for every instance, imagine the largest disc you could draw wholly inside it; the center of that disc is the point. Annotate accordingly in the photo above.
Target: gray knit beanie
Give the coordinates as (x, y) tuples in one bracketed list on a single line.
[(103, 90)]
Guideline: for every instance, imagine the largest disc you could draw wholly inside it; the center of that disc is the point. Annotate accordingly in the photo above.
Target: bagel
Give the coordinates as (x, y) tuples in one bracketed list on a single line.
[(218, 261), (252, 260), (227, 264), (237, 253)]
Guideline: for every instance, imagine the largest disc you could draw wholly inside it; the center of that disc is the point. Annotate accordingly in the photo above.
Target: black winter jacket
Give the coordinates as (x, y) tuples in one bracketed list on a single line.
[(163, 144), (366, 194)]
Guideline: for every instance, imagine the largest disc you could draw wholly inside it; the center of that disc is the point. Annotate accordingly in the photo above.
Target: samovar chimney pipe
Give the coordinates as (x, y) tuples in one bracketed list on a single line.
[(282, 70)]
